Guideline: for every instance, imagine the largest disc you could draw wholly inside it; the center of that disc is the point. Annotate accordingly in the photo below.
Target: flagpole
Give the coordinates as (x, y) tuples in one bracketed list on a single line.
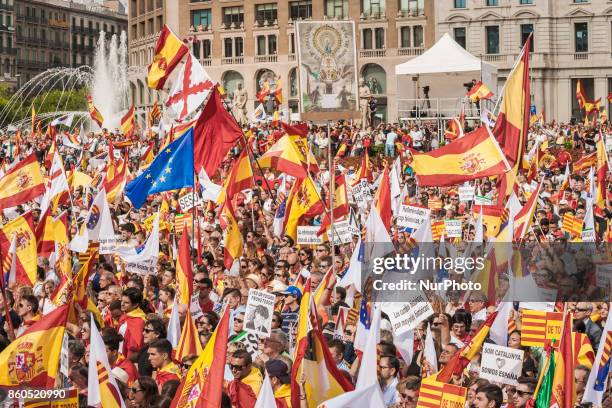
[(332, 174)]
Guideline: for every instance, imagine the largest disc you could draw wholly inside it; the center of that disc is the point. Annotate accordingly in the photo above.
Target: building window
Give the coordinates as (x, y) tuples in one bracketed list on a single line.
[(581, 35), (526, 2), (261, 45), (233, 15), (201, 18), (227, 47), (492, 34), (292, 43), (417, 35), (206, 49), (266, 12), (373, 7), (581, 1), (405, 37), (336, 8), (459, 34), (300, 10), (527, 29), (196, 49), (239, 46), (367, 39), (271, 44), (413, 6), (492, 3), (379, 37), (460, 3)]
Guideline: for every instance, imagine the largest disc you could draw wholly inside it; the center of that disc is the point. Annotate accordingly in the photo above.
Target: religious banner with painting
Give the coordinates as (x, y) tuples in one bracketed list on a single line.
[(327, 69)]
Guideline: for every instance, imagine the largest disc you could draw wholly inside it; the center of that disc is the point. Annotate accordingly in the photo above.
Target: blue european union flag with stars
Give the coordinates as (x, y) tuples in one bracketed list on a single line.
[(171, 169)]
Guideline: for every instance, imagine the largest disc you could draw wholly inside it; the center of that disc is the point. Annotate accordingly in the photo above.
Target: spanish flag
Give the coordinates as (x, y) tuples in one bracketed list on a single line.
[(189, 342), (382, 199), (169, 50), (365, 170), (232, 244), (602, 172), (184, 271), (524, 218), (580, 95), (454, 129), (278, 91), (303, 202), (94, 113), (473, 156), (563, 392), (240, 178), (23, 182), (479, 91), (512, 122), (128, 122), (313, 359), (51, 230), (585, 162), (203, 384), (22, 230), (289, 156), (116, 176), (148, 156), (264, 91), (32, 360)]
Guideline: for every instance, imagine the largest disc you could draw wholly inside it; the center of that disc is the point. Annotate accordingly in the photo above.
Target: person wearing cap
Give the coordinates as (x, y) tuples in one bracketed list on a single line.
[(291, 309), (280, 380)]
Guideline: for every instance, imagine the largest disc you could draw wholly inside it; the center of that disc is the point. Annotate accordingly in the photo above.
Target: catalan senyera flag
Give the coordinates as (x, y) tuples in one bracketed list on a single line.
[(169, 50), (32, 360), (585, 162), (50, 231), (240, 177), (155, 112), (184, 270), (437, 229), (189, 342), (571, 224), (382, 199), (467, 352), (313, 359), (473, 156), (435, 394), (303, 202), (479, 91), (128, 122), (602, 173), (23, 182), (202, 386), (232, 244), (512, 122), (563, 389), (182, 221), (94, 113), (540, 328), (22, 230), (289, 156), (524, 218)]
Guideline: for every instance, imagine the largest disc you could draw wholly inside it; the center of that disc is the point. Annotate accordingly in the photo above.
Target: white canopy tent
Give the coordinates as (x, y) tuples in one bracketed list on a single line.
[(445, 68)]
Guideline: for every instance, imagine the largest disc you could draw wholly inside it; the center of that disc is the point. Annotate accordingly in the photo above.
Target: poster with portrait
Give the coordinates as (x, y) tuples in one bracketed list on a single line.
[(259, 312), (327, 68)]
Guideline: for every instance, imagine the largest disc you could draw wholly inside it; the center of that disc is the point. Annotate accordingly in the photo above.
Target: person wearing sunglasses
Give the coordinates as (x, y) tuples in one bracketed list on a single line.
[(27, 309), (408, 389), (187, 362), (523, 391), (593, 331), (143, 393), (203, 285), (245, 386), (160, 356)]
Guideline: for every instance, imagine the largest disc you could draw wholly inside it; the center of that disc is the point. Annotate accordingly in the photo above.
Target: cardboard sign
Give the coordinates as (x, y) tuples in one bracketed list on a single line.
[(453, 228), (341, 234), (250, 341), (603, 273), (501, 364), (405, 316), (186, 201), (482, 200), (194, 307), (466, 193), (545, 306), (259, 312), (362, 194), (307, 235), (411, 216)]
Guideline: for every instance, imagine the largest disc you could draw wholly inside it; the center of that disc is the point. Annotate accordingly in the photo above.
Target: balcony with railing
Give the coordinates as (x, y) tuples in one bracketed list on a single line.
[(291, 57), (494, 57), (266, 58), (7, 7), (232, 60), (411, 12), (581, 56), (410, 51), (207, 62), (372, 53)]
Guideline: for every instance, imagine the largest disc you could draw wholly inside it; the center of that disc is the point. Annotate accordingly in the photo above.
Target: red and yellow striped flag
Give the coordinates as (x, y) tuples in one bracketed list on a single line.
[(33, 359), (51, 230), (24, 182), (602, 173), (303, 202), (582, 349), (189, 342), (571, 224), (94, 113), (169, 50), (540, 328), (184, 271), (181, 221), (585, 162), (128, 122), (437, 229), (240, 178), (563, 389), (232, 245)]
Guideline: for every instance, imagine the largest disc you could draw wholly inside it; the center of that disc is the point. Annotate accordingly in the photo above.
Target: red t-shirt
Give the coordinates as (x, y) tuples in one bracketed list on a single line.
[(206, 306)]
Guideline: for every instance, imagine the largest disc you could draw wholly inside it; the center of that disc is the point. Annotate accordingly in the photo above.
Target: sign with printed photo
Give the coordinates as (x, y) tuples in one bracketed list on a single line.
[(259, 312)]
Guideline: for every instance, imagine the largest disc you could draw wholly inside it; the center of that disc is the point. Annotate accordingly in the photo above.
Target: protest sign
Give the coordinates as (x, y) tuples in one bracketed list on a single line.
[(405, 316), (411, 216), (482, 200), (340, 322), (250, 341), (545, 306), (501, 364), (194, 307), (466, 193), (341, 233), (259, 312), (186, 201), (453, 228), (362, 194), (307, 235)]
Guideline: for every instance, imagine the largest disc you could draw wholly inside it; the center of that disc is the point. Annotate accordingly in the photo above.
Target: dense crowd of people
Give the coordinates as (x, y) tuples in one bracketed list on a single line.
[(143, 363)]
